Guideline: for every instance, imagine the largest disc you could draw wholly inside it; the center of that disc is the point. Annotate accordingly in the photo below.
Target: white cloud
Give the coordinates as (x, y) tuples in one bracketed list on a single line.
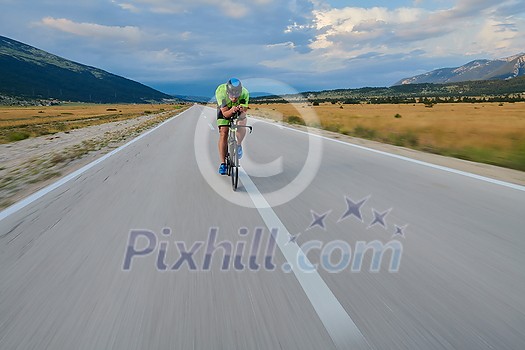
[(185, 36), (165, 56), (284, 56), (128, 7), (288, 44), (93, 30), (497, 35), (297, 27), (230, 8), (348, 32), (360, 26)]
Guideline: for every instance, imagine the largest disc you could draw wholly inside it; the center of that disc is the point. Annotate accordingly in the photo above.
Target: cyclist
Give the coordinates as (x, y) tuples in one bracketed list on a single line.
[(232, 101)]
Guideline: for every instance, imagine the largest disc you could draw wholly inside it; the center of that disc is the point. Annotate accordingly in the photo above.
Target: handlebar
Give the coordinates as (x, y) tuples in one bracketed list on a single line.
[(245, 126), (242, 126), (235, 117)]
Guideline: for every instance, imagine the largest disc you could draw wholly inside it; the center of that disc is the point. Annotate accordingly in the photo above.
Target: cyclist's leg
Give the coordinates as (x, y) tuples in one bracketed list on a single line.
[(241, 132), (223, 143), (223, 125)]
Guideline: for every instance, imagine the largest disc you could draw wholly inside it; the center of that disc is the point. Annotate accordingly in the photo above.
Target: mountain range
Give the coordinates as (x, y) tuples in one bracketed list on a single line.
[(499, 69), (27, 72)]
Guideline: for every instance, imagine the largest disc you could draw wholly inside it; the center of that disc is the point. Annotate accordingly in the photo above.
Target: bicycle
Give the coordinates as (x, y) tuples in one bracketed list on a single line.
[(232, 158)]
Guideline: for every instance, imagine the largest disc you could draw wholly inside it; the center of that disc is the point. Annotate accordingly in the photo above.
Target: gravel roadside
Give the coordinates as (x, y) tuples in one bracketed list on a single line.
[(31, 164)]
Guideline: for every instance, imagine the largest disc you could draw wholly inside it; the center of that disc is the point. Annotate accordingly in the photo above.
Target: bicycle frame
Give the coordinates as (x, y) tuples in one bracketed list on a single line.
[(232, 159)]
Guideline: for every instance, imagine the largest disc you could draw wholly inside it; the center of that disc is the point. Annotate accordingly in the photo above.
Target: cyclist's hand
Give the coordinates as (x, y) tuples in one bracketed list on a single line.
[(235, 110)]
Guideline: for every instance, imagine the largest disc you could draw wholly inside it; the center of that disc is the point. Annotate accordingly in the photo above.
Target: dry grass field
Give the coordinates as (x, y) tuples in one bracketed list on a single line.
[(18, 123), (490, 133)]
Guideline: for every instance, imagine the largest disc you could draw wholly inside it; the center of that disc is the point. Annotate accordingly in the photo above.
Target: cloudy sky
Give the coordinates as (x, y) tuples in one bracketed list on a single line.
[(190, 46)]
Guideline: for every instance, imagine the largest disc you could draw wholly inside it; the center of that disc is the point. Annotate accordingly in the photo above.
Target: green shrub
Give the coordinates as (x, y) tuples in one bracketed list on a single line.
[(17, 136), (293, 119), (332, 127), (408, 139), (363, 132), (60, 126), (516, 159), (398, 116)]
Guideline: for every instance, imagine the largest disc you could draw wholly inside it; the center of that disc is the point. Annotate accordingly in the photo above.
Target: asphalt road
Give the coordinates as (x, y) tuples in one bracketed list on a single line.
[(115, 257)]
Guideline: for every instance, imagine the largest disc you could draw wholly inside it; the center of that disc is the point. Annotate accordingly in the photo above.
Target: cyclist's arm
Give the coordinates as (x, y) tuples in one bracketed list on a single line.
[(228, 112), (243, 103)]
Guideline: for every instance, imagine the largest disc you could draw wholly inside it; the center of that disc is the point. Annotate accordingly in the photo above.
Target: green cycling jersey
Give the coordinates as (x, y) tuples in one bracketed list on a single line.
[(223, 100)]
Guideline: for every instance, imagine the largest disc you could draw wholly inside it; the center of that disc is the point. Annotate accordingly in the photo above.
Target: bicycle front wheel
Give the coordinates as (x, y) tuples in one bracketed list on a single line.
[(235, 167), (228, 164)]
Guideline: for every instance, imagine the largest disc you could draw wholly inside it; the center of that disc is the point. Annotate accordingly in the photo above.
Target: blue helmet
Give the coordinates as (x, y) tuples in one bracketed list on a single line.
[(234, 87)]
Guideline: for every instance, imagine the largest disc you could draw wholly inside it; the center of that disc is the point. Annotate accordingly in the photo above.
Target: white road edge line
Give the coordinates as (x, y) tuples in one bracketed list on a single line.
[(336, 320), (430, 165), (37, 195)]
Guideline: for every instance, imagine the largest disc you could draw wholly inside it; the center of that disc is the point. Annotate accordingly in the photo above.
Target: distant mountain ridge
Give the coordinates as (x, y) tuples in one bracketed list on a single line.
[(467, 91), (193, 98), (499, 69), (26, 71)]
